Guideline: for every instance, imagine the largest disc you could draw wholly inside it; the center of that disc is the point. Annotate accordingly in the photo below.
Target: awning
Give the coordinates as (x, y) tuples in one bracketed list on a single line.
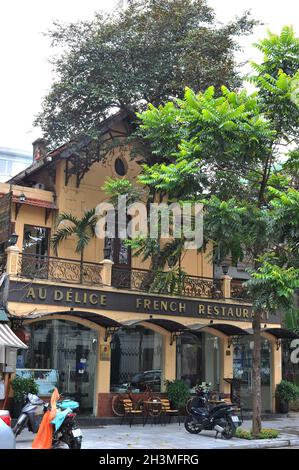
[(8, 338), (280, 333), (225, 328), (100, 320), (169, 325)]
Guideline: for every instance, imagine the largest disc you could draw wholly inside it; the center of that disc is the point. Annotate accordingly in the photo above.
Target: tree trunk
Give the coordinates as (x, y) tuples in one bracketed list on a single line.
[(256, 375), (81, 266)]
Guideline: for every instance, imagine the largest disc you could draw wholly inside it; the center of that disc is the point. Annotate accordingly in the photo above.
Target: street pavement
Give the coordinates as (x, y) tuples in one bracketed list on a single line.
[(173, 436)]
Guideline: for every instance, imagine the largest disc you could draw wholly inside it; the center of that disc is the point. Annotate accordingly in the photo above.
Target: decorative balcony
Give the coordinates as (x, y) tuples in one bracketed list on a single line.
[(59, 269), (238, 292), (148, 281)]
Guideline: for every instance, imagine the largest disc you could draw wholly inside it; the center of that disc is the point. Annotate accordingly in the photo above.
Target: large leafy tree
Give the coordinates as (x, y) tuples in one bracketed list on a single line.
[(237, 152), (145, 51)]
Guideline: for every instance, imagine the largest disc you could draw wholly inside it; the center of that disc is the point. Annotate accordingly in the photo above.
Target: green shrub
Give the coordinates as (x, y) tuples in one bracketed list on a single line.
[(287, 391), (177, 392), (243, 434), (23, 385), (264, 434), (268, 434)]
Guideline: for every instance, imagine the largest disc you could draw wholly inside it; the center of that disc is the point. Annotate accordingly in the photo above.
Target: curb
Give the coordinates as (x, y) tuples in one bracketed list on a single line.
[(275, 443)]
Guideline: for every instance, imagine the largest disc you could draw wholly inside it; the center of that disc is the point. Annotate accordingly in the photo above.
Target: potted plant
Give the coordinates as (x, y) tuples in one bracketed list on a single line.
[(21, 386), (178, 393), (286, 392)]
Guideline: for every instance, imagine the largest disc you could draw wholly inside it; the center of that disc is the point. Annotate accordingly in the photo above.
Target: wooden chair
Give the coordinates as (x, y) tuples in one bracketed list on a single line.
[(168, 411), (129, 411)]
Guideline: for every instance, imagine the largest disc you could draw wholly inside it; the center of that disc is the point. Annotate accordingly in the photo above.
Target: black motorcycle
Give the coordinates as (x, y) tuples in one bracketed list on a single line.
[(68, 433), (221, 417)]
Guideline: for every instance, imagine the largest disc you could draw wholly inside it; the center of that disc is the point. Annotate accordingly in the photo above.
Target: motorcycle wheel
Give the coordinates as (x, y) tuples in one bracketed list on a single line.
[(19, 426), (192, 426), (229, 430), (73, 443)]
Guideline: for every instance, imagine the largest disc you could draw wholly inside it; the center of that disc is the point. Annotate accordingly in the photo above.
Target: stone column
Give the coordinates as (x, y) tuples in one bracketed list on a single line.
[(169, 360), (106, 273), (226, 365), (103, 375), (226, 286), (12, 262)]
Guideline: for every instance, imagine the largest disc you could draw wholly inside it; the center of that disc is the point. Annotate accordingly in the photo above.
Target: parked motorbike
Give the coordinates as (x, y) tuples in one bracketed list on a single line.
[(66, 430), (222, 417)]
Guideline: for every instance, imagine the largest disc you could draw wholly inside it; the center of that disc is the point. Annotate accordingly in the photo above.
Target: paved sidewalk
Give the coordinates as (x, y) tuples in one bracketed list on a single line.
[(174, 436)]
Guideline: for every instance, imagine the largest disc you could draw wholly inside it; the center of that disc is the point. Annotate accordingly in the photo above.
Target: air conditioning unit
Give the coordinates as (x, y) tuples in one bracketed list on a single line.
[(39, 186), (10, 359)]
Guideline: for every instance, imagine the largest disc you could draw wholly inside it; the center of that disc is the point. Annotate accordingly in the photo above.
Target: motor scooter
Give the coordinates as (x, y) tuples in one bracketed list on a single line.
[(66, 430), (222, 417)]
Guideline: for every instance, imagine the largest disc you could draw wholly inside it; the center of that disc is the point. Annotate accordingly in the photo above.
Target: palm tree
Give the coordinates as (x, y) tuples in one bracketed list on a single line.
[(83, 229)]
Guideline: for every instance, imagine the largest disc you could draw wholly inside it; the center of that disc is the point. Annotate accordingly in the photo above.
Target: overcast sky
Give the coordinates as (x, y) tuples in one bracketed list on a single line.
[(26, 76)]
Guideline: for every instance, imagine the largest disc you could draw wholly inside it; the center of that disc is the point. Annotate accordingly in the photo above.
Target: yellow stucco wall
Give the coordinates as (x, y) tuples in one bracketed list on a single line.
[(77, 200)]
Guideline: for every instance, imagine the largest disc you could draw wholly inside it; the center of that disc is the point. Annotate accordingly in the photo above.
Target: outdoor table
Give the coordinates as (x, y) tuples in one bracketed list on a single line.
[(152, 408)]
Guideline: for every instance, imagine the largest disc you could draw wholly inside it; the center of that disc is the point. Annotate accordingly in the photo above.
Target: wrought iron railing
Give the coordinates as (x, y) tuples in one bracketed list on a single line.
[(160, 283), (238, 291), (59, 269)]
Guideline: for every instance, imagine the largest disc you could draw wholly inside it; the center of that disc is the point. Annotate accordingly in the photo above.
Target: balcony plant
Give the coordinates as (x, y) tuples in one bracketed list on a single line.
[(21, 386), (83, 229), (286, 392)]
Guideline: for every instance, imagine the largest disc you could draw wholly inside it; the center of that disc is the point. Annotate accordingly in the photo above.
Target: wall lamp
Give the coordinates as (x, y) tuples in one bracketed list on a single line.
[(174, 336), (13, 239), (109, 331)]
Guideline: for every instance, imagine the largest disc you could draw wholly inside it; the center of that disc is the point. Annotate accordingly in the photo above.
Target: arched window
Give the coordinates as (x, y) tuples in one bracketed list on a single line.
[(136, 357), (198, 359)]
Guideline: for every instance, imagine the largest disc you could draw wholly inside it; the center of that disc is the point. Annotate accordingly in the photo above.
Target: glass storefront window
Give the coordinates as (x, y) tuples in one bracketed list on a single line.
[(136, 358), (242, 366), (64, 352), (290, 360), (198, 359)]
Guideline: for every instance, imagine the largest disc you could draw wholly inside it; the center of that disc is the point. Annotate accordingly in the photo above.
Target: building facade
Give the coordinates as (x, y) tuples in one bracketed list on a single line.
[(93, 328), (12, 162)]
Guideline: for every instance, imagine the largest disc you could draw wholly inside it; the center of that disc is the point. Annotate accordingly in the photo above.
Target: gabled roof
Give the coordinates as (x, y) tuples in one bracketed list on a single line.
[(73, 148)]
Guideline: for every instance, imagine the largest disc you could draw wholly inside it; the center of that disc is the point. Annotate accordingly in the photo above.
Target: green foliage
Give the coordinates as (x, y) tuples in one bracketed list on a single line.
[(69, 225), (115, 187), (287, 391), (208, 141), (271, 286), (291, 319), (144, 51), (225, 149), (177, 392), (277, 80), (263, 434), (22, 385)]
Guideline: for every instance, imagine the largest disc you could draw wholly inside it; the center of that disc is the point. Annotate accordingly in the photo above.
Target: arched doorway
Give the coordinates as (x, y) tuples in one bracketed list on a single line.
[(62, 353), (198, 359), (136, 358)]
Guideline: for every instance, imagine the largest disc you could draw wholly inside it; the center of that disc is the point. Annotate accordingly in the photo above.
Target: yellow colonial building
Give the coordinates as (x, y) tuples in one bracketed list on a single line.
[(91, 329)]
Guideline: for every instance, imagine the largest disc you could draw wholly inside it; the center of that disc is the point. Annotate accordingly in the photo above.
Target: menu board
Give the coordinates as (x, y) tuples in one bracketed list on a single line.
[(5, 210)]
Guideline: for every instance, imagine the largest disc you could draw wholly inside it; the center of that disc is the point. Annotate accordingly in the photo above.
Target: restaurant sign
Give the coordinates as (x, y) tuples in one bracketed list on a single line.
[(77, 298)]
